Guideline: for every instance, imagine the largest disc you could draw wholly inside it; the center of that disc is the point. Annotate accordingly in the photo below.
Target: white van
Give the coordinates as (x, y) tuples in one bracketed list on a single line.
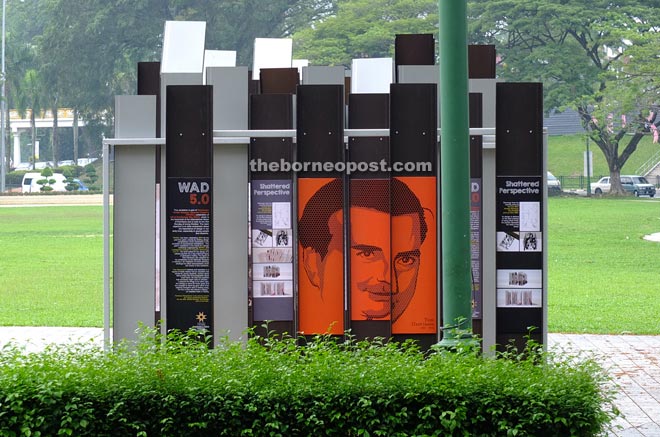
[(30, 184)]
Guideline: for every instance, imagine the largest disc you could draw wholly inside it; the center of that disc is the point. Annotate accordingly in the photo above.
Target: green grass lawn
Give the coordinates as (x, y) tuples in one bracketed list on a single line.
[(566, 155), (602, 275), (51, 266)]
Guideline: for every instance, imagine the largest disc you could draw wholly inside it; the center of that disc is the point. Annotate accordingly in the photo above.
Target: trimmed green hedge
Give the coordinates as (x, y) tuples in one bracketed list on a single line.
[(271, 387)]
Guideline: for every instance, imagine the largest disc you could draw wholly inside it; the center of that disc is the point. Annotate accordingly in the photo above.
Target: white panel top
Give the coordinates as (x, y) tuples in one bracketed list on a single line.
[(271, 53), (183, 47), (372, 75), (218, 58)]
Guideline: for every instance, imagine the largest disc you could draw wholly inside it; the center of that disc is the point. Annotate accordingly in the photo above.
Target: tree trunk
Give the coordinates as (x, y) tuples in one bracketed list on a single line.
[(56, 136), (33, 129), (75, 136)]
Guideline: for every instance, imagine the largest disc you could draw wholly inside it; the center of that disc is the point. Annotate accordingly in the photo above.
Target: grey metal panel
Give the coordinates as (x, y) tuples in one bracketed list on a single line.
[(134, 217), (132, 115), (218, 58), (315, 75), (230, 234), (487, 89), (421, 74), (230, 97), (167, 79)]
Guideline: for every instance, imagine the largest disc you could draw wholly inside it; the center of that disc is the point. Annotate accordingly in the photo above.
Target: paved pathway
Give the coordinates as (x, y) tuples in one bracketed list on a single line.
[(633, 361)]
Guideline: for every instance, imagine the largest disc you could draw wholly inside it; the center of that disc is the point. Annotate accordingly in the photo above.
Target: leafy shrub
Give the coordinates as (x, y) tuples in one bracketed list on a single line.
[(71, 170), (274, 387), (15, 178)]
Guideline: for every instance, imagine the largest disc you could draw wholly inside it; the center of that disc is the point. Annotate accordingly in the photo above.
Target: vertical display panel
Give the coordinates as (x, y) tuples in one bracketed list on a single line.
[(414, 153), (476, 222), (271, 220), (272, 249), (189, 198), (369, 229), (370, 254), (321, 256), (321, 212), (414, 255), (519, 213)]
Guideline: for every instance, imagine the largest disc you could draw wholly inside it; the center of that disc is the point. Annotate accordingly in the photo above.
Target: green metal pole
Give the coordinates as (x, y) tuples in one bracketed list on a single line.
[(455, 168)]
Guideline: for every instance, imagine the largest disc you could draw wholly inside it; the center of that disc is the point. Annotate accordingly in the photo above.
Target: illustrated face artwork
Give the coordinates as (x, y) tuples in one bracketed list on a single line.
[(384, 269)]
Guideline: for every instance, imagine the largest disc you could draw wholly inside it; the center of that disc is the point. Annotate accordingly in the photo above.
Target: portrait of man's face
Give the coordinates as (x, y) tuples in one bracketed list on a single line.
[(384, 265), (383, 247)]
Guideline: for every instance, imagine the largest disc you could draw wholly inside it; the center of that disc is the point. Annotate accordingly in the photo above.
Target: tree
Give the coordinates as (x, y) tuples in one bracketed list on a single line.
[(47, 182), (363, 28), (590, 56), (90, 48), (33, 94)]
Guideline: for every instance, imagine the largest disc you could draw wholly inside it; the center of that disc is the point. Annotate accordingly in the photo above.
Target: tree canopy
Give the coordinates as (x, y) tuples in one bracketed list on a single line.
[(595, 57), (363, 28)]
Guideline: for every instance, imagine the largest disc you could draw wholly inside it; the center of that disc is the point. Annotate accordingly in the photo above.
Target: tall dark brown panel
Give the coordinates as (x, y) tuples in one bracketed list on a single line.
[(189, 208), (320, 136), (321, 212), (519, 210), (148, 84), (413, 127), (369, 228), (481, 61), (414, 49), (519, 126), (278, 80), (414, 152), (271, 200)]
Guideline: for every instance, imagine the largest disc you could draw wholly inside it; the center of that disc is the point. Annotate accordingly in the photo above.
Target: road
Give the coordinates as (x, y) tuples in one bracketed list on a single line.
[(52, 199)]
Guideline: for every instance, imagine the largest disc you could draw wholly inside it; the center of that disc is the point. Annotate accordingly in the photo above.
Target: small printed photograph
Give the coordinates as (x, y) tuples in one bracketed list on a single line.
[(262, 238), (529, 298), (272, 288), (530, 241), (508, 242), (281, 215), (519, 278), (272, 255), (270, 271), (530, 216), (283, 237)]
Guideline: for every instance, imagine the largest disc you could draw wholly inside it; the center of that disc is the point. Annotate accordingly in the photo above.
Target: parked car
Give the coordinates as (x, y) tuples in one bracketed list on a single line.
[(81, 185), (634, 184), (554, 185), (31, 180)]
